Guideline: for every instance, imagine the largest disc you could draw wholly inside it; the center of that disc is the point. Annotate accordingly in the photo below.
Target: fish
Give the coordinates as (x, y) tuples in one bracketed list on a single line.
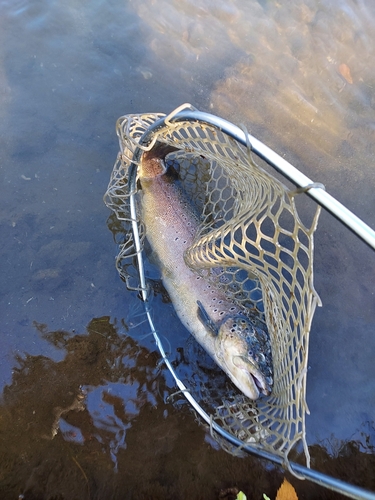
[(236, 342)]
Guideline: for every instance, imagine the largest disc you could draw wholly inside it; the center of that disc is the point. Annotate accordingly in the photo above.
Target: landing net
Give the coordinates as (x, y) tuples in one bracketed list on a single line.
[(252, 235)]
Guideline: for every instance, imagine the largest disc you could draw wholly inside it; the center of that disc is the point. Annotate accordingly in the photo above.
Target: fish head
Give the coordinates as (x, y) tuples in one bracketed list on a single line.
[(245, 352), (153, 161)]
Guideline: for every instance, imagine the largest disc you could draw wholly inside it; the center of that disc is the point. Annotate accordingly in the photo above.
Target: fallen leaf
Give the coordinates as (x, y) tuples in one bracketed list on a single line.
[(286, 492), (345, 72)]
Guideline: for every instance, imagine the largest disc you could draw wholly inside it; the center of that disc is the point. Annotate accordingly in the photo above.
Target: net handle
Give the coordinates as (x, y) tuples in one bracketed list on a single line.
[(314, 190)]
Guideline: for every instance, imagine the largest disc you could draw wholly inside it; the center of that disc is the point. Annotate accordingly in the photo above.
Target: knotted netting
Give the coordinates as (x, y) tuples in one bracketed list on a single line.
[(252, 242)]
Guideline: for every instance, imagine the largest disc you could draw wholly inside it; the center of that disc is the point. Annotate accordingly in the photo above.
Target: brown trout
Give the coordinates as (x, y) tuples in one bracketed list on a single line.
[(240, 348)]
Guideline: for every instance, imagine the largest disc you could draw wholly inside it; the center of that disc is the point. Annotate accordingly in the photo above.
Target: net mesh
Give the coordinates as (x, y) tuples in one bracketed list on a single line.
[(253, 238)]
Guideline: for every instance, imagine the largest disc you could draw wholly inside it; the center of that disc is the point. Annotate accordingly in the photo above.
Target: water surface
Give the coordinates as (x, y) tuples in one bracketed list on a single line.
[(83, 410)]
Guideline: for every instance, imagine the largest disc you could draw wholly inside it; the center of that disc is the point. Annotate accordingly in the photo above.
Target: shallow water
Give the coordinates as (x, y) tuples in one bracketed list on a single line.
[(84, 412)]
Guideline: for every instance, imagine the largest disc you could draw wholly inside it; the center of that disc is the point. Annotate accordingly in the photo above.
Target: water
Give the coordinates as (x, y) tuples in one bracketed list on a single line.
[(301, 78)]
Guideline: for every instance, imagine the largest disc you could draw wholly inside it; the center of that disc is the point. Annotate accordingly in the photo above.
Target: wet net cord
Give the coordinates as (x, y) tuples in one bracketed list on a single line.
[(333, 484), (321, 479), (316, 191)]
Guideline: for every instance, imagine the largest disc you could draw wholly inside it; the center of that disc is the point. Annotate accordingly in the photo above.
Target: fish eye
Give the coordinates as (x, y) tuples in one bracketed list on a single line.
[(232, 330), (234, 325)]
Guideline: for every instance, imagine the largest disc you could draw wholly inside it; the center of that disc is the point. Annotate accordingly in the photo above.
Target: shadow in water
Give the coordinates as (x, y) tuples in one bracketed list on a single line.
[(95, 425)]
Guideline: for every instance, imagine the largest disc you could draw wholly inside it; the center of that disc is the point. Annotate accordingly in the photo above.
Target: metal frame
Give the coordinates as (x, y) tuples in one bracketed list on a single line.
[(316, 192)]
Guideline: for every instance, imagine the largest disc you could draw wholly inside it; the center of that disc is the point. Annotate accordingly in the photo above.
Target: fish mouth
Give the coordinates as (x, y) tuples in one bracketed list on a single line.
[(248, 378), (245, 374)]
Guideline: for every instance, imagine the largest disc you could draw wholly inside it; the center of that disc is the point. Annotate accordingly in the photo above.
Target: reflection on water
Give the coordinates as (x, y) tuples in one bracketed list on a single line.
[(98, 369), (95, 425), (77, 407), (99, 411)]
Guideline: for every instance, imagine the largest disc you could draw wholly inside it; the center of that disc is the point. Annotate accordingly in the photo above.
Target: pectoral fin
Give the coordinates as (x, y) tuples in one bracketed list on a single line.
[(205, 319)]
